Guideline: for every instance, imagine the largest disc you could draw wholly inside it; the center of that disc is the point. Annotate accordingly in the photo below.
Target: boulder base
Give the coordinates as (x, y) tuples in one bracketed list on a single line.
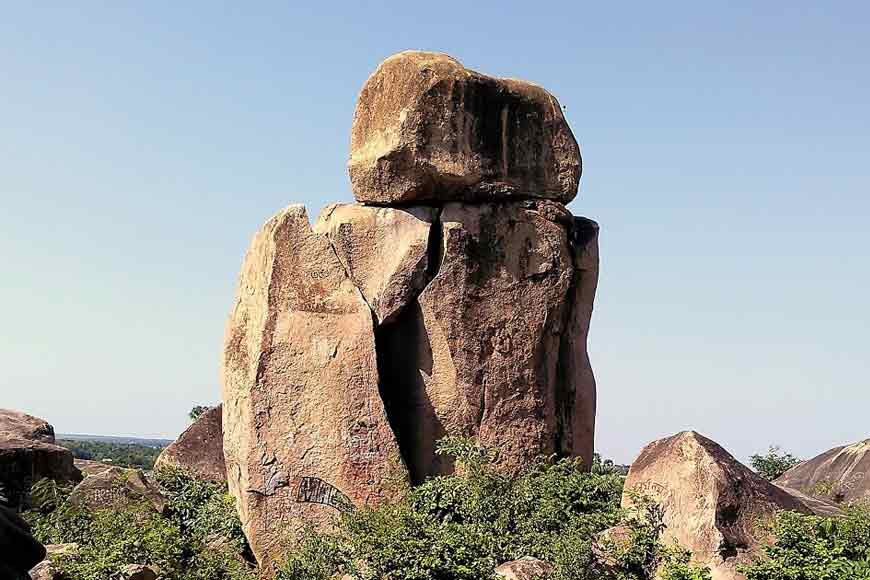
[(426, 129)]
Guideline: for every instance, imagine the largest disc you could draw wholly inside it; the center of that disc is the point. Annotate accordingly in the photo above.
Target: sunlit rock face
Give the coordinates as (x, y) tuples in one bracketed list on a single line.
[(455, 299)]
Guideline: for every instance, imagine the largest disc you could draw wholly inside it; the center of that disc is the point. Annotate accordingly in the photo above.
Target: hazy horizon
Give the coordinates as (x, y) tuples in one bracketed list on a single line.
[(725, 158)]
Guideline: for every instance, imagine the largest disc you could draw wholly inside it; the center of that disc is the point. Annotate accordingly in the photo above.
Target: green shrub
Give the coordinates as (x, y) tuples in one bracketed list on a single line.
[(198, 538), (774, 463), (461, 527), (817, 548)]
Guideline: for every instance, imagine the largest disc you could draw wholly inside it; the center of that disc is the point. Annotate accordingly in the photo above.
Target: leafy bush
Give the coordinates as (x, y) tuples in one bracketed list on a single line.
[(774, 463), (198, 538), (817, 548), (461, 527)]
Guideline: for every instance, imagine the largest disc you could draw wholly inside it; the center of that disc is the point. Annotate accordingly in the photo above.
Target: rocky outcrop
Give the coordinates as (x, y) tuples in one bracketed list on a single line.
[(19, 550), (710, 503), (355, 345), (200, 449), (426, 129), (117, 488), (305, 430), (524, 569), (28, 454), (841, 475)]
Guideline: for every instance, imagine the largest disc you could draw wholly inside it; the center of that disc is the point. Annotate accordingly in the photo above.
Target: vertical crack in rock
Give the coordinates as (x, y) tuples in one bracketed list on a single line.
[(404, 358)]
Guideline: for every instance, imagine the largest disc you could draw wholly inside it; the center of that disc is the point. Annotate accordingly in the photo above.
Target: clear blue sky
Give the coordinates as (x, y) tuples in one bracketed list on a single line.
[(726, 159)]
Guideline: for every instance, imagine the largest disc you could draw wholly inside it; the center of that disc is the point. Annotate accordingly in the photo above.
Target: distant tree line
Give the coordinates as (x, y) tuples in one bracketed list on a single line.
[(121, 454)]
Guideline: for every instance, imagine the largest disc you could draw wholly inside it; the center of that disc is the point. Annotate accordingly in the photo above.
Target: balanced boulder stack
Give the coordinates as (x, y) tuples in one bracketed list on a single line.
[(355, 344)]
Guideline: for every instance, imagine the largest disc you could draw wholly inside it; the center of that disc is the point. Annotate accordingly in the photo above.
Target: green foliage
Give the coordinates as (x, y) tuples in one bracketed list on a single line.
[(198, 538), (461, 527), (120, 454), (774, 463), (197, 411), (46, 495), (817, 548)]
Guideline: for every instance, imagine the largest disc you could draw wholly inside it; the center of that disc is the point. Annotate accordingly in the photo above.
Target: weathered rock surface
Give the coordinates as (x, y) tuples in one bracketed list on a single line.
[(91, 467), (426, 129), (19, 550), (486, 351), (116, 488), (385, 252), (841, 475), (200, 449), (18, 425), (28, 454), (46, 569), (305, 431), (711, 504), (138, 572), (524, 569)]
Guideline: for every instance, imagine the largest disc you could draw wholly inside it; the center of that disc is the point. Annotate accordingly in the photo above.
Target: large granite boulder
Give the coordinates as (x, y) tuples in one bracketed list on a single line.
[(494, 346), (426, 129), (19, 550), (28, 454), (710, 503), (200, 449), (117, 488), (841, 474), (305, 431)]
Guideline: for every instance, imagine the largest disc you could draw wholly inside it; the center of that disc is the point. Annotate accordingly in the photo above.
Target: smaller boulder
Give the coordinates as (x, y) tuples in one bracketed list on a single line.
[(709, 502), (610, 543), (841, 475), (200, 449), (138, 572), (117, 488), (45, 570), (524, 569)]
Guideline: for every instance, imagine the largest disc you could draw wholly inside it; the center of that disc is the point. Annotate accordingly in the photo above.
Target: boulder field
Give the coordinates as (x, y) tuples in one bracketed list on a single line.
[(453, 299)]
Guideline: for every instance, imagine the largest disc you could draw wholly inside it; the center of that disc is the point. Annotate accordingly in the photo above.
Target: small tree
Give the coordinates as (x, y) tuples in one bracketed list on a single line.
[(774, 463), (197, 412)]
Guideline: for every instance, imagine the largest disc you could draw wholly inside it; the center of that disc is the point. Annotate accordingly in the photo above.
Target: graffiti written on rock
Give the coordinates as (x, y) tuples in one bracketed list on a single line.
[(315, 490)]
